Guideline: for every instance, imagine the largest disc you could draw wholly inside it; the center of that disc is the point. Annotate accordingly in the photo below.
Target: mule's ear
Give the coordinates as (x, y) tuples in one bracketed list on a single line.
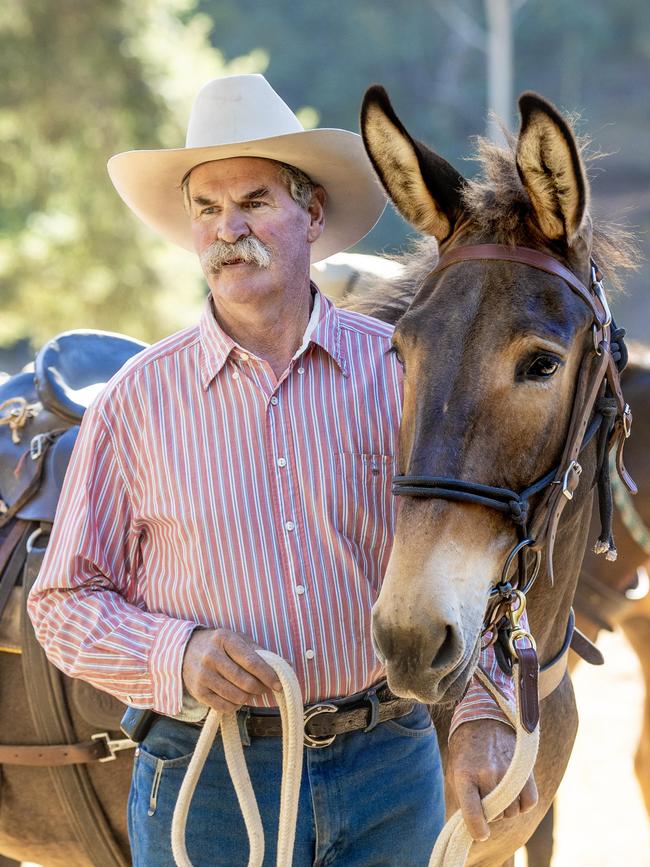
[(425, 189), (551, 169)]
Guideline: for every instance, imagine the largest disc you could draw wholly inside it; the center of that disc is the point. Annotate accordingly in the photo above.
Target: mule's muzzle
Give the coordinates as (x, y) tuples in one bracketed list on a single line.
[(429, 663)]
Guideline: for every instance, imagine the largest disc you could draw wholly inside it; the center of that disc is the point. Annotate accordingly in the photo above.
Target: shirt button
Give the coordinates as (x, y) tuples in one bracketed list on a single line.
[(235, 374), (282, 462), (244, 356), (309, 654), (300, 589), (274, 400), (290, 525), (301, 370)]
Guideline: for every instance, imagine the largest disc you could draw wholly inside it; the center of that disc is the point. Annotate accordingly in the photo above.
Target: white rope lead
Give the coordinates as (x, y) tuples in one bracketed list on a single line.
[(291, 711), (453, 845)]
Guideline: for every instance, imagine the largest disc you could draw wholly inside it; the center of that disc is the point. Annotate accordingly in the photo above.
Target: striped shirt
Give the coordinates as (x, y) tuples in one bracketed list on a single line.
[(203, 490)]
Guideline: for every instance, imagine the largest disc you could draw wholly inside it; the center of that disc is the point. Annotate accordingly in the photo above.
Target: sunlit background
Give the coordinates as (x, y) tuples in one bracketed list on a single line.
[(83, 80)]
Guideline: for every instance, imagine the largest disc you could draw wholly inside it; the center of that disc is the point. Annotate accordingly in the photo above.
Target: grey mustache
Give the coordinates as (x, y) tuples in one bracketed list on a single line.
[(249, 249)]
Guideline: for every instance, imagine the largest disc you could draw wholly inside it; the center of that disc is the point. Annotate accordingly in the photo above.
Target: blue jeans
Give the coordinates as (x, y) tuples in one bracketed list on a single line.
[(372, 799)]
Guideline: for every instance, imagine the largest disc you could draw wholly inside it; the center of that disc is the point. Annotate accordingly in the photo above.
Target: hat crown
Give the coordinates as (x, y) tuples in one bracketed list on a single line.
[(238, 108)]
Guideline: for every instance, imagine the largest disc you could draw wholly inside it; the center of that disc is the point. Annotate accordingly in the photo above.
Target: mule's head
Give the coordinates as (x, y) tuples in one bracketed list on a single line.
[(491, 352)]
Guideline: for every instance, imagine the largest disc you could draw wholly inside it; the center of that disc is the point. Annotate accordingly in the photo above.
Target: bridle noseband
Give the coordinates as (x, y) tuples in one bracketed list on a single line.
[(598, 406)]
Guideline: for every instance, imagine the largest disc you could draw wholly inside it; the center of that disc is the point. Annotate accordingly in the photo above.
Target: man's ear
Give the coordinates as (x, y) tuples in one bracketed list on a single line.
[(425, 188), (551, 169), (316, 211)]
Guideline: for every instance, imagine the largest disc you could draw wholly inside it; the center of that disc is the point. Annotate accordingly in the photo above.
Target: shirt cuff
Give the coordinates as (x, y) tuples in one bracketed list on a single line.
[(479, 704), (166, 665)]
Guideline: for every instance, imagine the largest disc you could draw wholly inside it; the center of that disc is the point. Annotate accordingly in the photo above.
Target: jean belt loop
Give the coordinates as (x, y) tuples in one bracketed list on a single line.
[(242, 718), (371, 696)]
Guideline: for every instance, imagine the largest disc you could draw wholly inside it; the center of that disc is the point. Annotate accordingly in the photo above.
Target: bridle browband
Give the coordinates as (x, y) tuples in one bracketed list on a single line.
[(596, 408)]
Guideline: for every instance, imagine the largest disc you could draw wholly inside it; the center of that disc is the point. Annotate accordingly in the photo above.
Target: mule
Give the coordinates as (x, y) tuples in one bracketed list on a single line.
[(491, 354), (610, 594)]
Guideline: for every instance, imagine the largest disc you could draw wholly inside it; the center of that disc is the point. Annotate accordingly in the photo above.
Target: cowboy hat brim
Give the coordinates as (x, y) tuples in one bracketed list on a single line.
[(149, 182)]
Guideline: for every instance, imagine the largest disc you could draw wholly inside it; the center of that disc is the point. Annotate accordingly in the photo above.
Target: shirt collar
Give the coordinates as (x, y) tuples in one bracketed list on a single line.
[(323, 329)]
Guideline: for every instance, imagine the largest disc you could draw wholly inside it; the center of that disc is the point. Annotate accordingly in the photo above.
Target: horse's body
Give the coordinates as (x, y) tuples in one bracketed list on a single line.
[(34, 824), (69, 814), (633, 616)]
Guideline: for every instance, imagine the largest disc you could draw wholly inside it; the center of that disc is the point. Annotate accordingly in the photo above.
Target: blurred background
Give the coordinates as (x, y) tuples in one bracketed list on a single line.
[(83, 79)]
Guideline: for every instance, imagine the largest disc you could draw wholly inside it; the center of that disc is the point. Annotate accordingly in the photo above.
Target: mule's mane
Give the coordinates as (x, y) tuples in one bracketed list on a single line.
[(497, 205)]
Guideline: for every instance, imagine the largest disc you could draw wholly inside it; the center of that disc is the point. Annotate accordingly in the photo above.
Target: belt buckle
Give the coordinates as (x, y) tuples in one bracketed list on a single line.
[(575, 469), (309, 714)]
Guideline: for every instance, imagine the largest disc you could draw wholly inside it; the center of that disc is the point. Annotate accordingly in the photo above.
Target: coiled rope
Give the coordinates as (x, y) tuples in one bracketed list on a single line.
[(291, 710), (454, 842)]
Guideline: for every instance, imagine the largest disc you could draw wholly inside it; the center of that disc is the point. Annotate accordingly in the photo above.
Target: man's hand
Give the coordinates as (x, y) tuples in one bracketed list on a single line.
[(222, 669), (479, 755)]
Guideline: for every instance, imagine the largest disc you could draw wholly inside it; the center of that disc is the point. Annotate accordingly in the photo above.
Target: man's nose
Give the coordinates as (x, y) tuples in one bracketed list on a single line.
[(232, 225)]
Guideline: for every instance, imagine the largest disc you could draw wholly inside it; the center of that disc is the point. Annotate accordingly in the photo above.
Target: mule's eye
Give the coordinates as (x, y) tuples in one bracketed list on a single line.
[(543, 367), (395, 351)]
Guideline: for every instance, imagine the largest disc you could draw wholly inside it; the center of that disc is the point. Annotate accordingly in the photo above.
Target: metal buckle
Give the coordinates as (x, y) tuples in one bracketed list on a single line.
[(113, 746), (595, 334), (574, 466), (309, 740), (517, 632), (30, 544), (635, 594), (627, 420), (36, 446), (599, 291)]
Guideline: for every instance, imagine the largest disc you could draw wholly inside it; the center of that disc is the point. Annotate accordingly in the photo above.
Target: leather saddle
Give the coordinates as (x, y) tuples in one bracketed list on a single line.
[(40, 414)]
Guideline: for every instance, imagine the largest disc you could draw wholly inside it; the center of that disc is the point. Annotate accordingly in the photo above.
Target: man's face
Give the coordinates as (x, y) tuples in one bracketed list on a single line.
[(244, 199)]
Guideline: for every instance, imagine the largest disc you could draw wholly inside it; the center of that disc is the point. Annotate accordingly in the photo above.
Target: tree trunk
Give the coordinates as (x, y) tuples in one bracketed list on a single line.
[(498, 15)]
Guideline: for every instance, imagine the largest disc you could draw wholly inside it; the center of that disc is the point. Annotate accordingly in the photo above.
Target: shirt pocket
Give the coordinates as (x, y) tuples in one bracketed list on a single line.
[(364, 507)]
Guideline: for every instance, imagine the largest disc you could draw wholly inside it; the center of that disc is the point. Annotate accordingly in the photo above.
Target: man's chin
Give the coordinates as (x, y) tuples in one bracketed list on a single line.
[(241, 283)]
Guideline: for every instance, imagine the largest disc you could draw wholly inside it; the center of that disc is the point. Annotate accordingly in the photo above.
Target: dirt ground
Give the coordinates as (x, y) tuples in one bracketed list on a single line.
[(601, 819)]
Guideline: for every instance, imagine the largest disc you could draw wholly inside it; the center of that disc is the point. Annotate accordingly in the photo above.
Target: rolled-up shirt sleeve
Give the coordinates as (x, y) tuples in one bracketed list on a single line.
[(477, 702), (86, 605)]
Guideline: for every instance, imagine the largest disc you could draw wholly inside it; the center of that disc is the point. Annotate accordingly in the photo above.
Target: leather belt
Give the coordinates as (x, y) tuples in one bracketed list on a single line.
[(324, 721)]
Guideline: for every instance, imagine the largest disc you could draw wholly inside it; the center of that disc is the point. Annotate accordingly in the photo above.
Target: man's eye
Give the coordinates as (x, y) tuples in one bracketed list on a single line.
[(543, 367), (254, 205)]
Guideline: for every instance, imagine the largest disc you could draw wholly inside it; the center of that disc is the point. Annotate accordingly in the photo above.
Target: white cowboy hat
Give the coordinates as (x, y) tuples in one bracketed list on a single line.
[(241, 115)]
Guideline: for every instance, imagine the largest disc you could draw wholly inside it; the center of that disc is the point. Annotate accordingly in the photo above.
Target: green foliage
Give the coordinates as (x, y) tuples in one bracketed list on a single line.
[(588, 56), (84, 79)]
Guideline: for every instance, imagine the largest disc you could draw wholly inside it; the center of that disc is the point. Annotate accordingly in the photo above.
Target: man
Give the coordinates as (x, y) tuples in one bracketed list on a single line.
[(231, 489)]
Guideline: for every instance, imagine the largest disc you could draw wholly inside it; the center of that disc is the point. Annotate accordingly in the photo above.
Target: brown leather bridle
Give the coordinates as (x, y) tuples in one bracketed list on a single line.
[(598, 374)]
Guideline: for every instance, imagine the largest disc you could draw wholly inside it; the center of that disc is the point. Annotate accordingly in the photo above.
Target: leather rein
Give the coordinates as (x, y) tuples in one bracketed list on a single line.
[(598, 377)]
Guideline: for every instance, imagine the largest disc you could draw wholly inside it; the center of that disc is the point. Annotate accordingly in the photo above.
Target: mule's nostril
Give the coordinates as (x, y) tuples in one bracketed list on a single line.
[(447, 649)]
